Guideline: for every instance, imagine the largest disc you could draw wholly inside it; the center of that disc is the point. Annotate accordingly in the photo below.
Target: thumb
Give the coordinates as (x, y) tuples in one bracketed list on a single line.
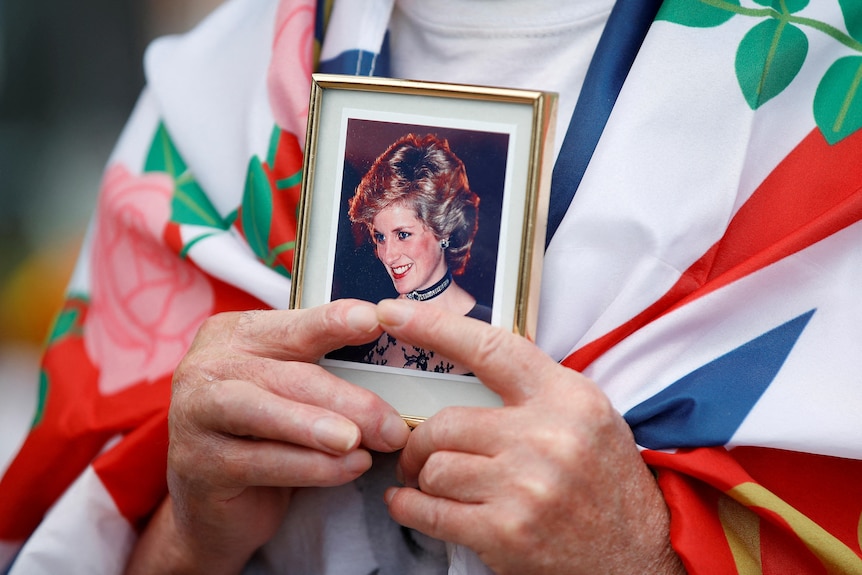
[(506, 363), (307, 334)]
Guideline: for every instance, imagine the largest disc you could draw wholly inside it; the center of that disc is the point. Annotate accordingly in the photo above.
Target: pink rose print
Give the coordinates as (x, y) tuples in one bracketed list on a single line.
[(289, 76), (147, 303)]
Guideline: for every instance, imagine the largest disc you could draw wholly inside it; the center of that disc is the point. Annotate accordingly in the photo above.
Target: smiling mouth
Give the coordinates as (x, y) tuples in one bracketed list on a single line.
[(399, 272)]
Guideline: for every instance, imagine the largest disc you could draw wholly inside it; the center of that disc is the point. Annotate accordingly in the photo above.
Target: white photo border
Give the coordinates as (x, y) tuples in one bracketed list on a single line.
[(526, 116)]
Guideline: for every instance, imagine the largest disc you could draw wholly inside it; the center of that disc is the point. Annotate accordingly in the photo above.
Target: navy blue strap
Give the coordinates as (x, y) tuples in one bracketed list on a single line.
[(621, 39)]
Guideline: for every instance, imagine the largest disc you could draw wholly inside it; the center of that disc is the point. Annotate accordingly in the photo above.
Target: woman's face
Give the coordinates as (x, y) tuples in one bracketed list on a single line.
[(409, 250)]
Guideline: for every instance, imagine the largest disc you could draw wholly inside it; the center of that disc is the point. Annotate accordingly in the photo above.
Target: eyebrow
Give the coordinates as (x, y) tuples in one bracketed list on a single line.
[(396, 230)]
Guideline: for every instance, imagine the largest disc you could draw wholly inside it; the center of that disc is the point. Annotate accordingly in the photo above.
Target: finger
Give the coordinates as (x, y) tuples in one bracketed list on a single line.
[(460, 476), (479, 431), (481, 347), (242, 409), (302, 335), (485, 432), (381, 427), (319, 410), (437, 517), (239, 463)]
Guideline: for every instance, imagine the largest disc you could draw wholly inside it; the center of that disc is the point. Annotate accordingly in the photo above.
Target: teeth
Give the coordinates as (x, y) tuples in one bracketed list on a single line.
[(400, 269)]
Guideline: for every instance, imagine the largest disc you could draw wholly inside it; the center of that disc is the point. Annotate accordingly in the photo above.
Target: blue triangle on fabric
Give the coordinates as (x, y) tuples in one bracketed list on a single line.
[(708, 405)]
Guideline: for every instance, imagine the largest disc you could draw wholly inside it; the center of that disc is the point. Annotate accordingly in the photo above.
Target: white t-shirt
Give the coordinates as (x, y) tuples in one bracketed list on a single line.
[(532, 44)]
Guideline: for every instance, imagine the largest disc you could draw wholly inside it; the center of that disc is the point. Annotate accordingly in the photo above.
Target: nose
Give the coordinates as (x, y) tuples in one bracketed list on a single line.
[(388, 253)]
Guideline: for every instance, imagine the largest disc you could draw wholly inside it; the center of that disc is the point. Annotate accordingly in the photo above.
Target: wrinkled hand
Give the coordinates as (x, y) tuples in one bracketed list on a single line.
[(550, 483), (251, 418)]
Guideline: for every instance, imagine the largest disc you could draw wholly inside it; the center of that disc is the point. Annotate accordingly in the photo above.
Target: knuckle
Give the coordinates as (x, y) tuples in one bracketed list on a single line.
[(233, 466), (489, 343), (218, 400), (432, 473), (439, 429), (215, 327), (556, 443), (239, 322), (367, 403), (309, 333), (435, 520), (597, 403), (440, 424), (331, 316), (536, 492), (188, 456), (516, 532)]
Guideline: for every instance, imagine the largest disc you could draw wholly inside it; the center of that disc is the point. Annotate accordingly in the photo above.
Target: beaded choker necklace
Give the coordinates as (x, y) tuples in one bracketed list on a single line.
[(433, 291)]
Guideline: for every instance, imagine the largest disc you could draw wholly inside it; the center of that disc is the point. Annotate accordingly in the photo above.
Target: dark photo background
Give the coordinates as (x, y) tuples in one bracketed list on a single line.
[(358, 273)]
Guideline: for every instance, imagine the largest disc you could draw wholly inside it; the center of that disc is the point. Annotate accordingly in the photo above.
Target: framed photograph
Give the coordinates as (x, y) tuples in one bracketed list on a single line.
[(425, 191)]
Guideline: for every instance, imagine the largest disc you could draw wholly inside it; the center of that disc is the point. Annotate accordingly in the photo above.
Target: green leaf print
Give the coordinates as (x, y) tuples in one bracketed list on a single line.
[(65, 323), (784, 6), (43, 398), (190, 204), (772, 53), (838, 100), (257, 209), (852, 10), (163, 155), (697, 13), (768, 58)]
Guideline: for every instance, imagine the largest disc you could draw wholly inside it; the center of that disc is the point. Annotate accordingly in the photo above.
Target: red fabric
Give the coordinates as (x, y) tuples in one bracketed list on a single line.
[(284, 181), (770, 226), (76, 423), (825, 490)]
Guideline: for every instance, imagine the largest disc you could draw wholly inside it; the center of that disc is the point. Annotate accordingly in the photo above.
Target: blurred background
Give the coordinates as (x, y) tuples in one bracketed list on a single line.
[(70, 72)]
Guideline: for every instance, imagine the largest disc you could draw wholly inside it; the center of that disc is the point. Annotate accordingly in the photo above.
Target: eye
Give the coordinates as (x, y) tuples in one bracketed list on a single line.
[(403, 235), (378, 238)]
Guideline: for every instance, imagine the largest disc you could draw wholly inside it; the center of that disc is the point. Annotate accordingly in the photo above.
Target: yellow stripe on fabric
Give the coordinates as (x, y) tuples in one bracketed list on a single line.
[(836, 557), (859, 531), (742, 530)]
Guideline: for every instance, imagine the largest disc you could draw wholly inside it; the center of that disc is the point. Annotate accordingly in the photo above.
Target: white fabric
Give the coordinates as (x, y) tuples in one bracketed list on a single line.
[(218, 71), (324, 532), (367, 17), (811, 401), (187, 90), (83, 534), (537, 45), (654, 230)]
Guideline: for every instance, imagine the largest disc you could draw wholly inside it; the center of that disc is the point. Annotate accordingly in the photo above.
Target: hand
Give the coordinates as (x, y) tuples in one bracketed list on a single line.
[(251, 418), (550, 483)]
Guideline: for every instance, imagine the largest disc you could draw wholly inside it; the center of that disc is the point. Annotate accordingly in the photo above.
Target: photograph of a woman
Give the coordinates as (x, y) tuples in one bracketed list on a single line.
[(415, 208), (422, 217)]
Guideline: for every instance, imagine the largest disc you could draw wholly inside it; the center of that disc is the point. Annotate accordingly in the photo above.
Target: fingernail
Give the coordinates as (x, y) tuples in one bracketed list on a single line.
[(336, 434), (389, 494), (394, 432), (358, 461), (361, 318), (394, 312)]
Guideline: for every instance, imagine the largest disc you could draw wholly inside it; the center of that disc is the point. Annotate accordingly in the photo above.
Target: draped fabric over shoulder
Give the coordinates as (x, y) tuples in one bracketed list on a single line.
[(704, 273)]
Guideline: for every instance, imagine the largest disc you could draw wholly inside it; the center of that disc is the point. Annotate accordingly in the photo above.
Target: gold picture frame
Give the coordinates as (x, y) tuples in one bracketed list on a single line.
[(504, 138)]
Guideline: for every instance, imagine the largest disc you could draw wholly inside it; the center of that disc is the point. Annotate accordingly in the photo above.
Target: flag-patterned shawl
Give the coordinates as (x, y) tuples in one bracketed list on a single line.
[(703, 269)]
